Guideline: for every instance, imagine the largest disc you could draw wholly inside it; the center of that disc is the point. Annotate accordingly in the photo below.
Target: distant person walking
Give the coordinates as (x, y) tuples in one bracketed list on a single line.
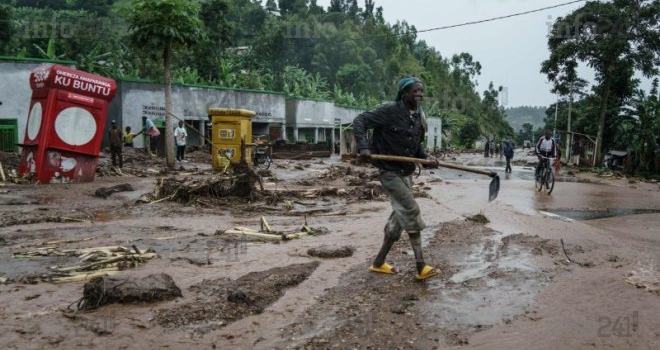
[(508, 154), (115, 145), (180, 136), (576, 151)]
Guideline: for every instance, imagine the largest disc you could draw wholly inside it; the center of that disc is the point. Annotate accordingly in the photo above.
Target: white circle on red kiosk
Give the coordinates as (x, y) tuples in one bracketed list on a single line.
[(34, 121), (75, 126)]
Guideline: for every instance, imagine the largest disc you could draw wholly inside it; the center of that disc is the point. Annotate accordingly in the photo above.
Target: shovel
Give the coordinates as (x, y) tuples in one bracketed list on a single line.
[(493, 188)]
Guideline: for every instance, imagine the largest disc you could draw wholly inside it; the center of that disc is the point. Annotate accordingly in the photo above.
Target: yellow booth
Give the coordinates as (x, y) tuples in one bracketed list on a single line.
[(228, 128)]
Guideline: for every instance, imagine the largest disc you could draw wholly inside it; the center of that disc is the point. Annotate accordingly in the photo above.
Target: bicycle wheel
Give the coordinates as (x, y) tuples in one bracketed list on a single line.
[(549, 181), (538, 180)]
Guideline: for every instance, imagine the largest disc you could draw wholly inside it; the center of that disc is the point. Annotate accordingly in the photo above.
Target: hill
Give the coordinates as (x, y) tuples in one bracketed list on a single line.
[(517, 116)]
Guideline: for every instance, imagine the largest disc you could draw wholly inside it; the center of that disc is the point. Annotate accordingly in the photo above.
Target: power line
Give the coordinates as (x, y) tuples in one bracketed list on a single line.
[(500, 17), (476, 22)]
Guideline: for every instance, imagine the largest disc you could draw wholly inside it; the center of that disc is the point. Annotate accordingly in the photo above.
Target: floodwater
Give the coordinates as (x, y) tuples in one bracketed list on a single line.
[(600, 214)]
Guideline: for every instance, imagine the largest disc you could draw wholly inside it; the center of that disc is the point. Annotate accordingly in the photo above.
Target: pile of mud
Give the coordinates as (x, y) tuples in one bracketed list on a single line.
[(222, 301), (101, 291), (328, 252)]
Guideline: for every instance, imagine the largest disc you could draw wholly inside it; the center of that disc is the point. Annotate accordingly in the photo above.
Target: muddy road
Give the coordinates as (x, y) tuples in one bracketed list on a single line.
[(506, 281)]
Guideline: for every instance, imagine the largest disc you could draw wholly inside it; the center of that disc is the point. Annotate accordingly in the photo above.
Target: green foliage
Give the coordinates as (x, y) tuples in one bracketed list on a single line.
[(616, 39), (7, 27), (469, 134), (301, 84), (346, 53), (160, 23)]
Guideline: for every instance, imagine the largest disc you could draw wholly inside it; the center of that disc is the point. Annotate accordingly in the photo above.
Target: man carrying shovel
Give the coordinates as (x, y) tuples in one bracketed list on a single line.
[(398, 130)]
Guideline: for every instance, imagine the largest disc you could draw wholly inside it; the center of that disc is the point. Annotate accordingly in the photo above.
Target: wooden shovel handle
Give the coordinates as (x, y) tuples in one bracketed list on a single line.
[(429, 162)]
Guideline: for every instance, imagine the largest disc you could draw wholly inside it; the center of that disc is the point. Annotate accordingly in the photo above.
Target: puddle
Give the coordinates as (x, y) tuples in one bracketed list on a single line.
[(585, 215), (494, 282)]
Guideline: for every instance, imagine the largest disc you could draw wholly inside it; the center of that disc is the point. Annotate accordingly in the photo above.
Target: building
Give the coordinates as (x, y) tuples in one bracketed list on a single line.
[(278, 117)]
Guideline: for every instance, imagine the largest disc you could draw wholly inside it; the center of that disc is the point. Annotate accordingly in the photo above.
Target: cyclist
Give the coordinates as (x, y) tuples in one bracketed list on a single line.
[(546, 147)]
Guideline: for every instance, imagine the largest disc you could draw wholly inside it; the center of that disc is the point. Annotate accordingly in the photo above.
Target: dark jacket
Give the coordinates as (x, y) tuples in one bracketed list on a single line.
[(116, 138), (395, 132), (508, 149)]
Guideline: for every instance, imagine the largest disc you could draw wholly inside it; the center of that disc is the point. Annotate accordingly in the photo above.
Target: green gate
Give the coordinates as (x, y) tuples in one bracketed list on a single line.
[(8, 135)]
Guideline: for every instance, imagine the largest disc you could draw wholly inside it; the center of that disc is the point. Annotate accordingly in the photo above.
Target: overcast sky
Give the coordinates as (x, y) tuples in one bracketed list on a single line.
[(510, 50)]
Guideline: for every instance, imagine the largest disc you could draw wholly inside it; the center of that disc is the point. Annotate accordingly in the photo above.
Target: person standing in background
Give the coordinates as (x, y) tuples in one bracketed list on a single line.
[(576, 150), (115, 145), (180, 135), (149, 128), (129, 136)]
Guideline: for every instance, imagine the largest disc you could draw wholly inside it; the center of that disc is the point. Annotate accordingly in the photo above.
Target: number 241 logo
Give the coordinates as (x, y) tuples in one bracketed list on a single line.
[(621, 326)]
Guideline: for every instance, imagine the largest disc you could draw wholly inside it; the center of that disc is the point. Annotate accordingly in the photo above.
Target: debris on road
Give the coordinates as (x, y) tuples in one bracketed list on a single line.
[(645, 279), (328, 252), (191, 190), (267, 234), (127, 289), (95, 261), (478, 218), (105, 192)]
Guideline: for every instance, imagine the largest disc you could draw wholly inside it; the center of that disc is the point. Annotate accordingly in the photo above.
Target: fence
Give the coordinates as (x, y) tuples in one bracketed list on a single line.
[(8, 135)]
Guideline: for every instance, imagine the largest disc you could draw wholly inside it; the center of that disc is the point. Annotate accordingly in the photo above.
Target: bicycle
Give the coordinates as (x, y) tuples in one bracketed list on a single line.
[(545, 176), (262, 159)]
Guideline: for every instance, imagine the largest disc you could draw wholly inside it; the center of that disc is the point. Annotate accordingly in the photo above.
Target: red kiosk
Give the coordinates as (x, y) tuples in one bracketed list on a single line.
[(68, 113)]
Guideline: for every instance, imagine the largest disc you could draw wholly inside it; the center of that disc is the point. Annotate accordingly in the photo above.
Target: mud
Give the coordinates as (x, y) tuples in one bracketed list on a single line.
[(101, 291), (328, 252), (505, 284), (220, 302), (493, 284)]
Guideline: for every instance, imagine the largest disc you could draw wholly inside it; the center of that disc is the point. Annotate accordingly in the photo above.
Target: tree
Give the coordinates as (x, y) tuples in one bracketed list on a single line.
[(271, 5), (615, 39), (98, 7), (290, 7), (6, 25), (644, 115), (165, 25), (209, 51), (52, 4), (339, 6), (469, 134)]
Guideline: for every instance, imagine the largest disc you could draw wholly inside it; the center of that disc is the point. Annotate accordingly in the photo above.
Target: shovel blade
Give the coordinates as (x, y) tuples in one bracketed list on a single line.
[(494, 188)]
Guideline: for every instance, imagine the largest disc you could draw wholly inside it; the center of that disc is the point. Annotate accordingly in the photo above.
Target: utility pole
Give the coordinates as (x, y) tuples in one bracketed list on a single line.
[(554, 130), (569, 136)]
